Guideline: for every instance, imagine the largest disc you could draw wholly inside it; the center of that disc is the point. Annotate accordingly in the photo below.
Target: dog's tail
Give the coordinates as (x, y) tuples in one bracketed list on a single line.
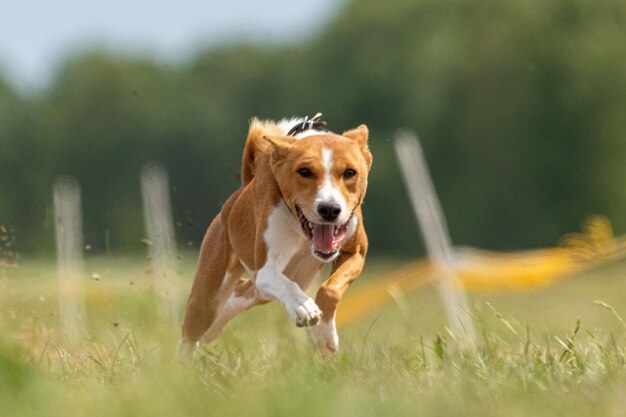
[(256, 146)]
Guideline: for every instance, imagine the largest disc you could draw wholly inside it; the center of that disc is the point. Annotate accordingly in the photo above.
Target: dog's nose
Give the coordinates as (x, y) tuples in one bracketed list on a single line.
[(328, 211)]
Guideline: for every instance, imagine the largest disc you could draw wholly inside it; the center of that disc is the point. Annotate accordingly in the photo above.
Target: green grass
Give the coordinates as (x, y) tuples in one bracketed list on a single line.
[(553, 352)]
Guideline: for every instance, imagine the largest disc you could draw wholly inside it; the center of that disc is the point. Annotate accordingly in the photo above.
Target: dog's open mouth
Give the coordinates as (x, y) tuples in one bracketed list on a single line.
[(325, 239)]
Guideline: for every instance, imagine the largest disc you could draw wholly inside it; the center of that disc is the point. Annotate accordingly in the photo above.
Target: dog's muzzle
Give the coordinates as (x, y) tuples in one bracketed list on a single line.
[(325, 238)]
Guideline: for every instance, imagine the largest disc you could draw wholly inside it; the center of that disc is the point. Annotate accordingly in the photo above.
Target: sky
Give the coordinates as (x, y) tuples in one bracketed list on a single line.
[(36, 35)]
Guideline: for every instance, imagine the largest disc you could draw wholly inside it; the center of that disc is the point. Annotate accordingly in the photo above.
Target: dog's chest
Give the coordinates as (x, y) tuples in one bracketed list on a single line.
[(283, 236)]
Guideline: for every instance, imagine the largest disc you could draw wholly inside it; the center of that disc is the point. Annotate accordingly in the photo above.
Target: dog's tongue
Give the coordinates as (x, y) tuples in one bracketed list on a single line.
[(323, 238)]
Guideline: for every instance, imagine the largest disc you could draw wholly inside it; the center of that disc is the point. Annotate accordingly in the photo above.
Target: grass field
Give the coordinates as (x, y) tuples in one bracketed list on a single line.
[(553, 352)]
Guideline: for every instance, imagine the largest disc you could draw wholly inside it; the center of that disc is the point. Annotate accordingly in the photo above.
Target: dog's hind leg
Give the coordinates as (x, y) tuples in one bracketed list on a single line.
[(218, 272), (241, 299)]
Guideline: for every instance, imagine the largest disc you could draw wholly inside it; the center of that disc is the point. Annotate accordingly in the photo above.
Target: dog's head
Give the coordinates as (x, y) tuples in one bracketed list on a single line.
[(323, 179)]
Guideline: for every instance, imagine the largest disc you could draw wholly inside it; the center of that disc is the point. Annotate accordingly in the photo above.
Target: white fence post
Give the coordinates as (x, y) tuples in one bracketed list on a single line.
[(69, 242), (435, 231), (160, 230)]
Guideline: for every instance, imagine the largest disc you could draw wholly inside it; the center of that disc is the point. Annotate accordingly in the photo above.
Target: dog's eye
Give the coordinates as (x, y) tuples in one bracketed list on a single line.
[(305, 172), (349, 173)]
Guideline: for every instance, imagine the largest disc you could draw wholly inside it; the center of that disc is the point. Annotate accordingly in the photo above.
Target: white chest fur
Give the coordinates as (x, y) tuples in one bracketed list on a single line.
[(283, 236)]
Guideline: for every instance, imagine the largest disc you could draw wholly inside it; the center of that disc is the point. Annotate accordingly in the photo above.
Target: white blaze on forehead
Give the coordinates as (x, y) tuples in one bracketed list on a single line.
[(327, 160), (328, 192)]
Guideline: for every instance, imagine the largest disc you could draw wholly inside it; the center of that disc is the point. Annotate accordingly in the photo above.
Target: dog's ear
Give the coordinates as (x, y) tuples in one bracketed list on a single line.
[(360, 135), (281, 144)]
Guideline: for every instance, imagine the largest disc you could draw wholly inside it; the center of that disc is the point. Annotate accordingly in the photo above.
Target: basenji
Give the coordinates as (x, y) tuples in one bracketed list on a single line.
[(299, 206)]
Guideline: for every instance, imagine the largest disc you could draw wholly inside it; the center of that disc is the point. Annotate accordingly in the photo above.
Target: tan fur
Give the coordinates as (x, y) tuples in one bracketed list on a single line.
[(234, 240)]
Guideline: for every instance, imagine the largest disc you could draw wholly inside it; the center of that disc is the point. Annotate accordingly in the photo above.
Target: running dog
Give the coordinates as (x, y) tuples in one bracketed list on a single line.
[(299, 206)]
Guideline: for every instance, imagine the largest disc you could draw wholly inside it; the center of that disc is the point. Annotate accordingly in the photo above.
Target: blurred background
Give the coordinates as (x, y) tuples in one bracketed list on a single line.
[(520, 105)]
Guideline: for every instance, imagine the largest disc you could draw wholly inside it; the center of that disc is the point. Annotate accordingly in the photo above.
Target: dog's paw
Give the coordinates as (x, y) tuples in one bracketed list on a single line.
[(307, 313), (186, 349), (325, 338)]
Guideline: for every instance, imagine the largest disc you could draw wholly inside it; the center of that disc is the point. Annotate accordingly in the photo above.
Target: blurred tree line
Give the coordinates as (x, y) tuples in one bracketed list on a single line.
[(520, 105)]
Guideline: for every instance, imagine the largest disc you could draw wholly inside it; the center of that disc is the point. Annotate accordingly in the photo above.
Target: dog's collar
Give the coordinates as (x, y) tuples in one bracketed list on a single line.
[(314, 123)]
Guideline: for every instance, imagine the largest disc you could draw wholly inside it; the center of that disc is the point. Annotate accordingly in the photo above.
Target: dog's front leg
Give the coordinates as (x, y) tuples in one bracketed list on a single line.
[(345, 270), (273, 284), (276, 244)]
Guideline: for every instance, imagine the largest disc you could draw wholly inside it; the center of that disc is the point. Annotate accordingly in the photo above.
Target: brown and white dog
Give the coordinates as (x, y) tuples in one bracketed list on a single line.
[(299, 207)]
